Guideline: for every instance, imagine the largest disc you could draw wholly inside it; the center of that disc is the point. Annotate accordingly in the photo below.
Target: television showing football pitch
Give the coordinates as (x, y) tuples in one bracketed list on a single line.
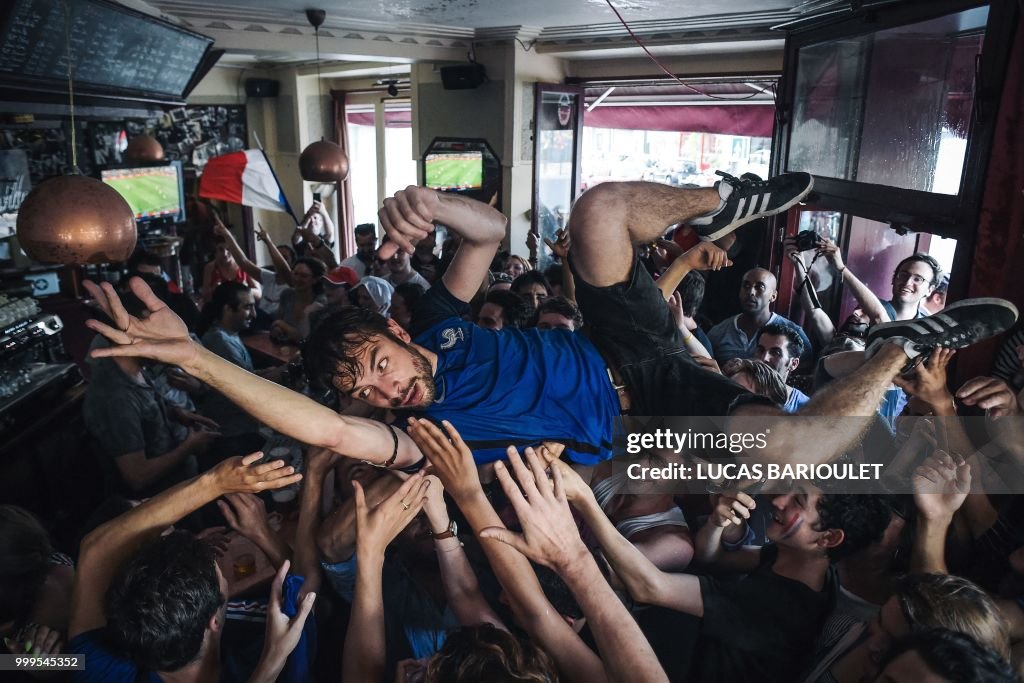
[(455, 170), (151, 192)]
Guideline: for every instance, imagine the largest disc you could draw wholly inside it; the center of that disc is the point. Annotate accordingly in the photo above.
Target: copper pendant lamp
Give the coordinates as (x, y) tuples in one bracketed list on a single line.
[(71, 218), (145, 149), (322, 161)]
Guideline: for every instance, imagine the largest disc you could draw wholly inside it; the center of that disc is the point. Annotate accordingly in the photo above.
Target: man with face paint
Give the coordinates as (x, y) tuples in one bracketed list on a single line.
[(757, 628), (736, 337)]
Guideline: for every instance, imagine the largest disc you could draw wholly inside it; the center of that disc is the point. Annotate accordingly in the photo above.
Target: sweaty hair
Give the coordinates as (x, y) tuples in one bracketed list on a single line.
[(954, 603), (954, 656), (160, 603), (926, 259), (485, 653), (862, 518), (226, 294), (530, 277), (561, 306), (767, 382), (692, 291), (329, 354), (24, 561), (794, 344), (364, 229), (514, 311)]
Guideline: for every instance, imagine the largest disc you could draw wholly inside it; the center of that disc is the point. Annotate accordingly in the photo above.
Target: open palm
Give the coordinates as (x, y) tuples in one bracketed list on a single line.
[(160, 335)]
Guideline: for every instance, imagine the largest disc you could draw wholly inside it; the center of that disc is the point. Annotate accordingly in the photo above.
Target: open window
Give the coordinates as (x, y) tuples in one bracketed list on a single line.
[(892, 110)]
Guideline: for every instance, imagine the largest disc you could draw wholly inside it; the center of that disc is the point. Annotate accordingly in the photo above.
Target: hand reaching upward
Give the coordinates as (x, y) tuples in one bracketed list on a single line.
[(161, 335)]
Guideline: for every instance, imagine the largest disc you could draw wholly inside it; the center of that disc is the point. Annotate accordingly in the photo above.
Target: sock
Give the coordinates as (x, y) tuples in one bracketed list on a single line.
[(724, 190)]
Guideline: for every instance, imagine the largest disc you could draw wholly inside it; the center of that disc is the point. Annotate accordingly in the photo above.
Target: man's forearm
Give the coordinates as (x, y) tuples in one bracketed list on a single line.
[(365, 655), (709, 543), (300, 417), (536, 615), (929, 551), (869, 302), (639, 574), (474, 221), (624, 649)]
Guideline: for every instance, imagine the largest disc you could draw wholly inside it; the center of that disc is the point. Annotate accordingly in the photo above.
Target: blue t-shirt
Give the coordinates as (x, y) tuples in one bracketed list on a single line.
[(518, 387), (102, 665), (795, 400), (731, 342)]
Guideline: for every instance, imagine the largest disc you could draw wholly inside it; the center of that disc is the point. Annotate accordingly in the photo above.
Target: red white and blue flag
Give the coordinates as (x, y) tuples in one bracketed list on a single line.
[(244, 178)]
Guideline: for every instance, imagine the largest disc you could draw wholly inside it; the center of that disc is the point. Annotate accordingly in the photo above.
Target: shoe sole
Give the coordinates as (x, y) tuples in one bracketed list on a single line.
[(722, 232), (969, 303)]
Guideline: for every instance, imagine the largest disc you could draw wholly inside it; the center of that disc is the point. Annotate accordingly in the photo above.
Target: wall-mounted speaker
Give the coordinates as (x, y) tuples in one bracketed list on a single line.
[(261, 87), (463, 76)]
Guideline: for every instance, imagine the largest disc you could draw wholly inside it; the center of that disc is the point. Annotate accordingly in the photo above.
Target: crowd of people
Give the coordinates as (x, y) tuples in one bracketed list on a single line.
[(462, 511)]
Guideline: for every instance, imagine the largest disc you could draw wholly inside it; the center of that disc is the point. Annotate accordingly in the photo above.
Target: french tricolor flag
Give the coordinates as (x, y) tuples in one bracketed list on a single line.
[(244, 178)]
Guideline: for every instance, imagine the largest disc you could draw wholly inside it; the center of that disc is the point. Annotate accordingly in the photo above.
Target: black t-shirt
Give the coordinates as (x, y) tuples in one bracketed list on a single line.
[(758, 628)]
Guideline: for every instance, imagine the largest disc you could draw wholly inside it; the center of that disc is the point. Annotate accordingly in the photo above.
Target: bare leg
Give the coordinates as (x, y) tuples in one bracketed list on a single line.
[(844, 363), (835, 410), (608, 220)]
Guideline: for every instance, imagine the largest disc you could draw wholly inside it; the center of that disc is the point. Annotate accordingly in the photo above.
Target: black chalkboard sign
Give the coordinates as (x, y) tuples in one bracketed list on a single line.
[(114, 50)]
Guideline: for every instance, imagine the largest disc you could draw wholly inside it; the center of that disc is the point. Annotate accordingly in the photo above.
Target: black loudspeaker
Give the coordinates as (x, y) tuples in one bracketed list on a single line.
[(261, 87), (463, 76)]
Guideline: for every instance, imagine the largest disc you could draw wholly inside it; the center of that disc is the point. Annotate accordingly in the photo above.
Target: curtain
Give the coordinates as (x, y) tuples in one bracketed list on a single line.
[(346, 230), (999, 246)]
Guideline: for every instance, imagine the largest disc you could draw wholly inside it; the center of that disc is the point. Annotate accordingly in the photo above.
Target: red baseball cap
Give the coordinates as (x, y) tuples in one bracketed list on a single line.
[(342, 275)]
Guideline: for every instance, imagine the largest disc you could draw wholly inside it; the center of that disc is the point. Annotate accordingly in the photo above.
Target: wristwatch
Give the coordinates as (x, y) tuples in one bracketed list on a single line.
[(450, 532)]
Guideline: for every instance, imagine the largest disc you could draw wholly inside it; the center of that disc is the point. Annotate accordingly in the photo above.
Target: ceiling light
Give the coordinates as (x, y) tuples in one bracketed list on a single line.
[(72, 218), (322, 161)]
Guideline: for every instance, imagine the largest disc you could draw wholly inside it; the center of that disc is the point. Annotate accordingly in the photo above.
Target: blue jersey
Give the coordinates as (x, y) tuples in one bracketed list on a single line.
[(517, 387)]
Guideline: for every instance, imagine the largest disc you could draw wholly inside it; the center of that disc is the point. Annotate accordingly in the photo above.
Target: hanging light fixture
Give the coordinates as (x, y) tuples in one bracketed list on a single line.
[(73, 218), (144, 149), (322, 161)]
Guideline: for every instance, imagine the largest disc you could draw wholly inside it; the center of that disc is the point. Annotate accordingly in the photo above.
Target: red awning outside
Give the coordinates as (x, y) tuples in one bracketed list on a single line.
[(392, 119), (753, 120)]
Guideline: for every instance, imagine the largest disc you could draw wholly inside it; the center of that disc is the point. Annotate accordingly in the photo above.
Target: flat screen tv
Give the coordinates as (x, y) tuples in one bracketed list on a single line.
[(153, 192), (454, 170)]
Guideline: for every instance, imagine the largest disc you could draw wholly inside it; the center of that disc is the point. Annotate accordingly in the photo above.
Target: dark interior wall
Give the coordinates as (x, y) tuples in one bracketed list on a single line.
[(999, 246), (476, 113)]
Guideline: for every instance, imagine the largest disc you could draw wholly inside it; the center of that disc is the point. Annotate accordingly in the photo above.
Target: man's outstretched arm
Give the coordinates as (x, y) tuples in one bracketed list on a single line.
[(105, 549), (162, 336), (410, 216)]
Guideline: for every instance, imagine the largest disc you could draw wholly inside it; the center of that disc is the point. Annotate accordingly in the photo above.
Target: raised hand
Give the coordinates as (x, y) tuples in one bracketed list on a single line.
[(161, 335), (35, 640), (830, 250), (941, 484), (675, 307), (575, 489), (243, 475), (707, 256), (550, 536), (376, 528), (283, 632), (560, 247), (407, 218), (928, 382), (452, 460), (731, 507), (991, 394), (245, 513)]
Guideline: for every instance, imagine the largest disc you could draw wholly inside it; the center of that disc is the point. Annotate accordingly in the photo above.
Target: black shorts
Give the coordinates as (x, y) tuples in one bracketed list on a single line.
[(632, 327)]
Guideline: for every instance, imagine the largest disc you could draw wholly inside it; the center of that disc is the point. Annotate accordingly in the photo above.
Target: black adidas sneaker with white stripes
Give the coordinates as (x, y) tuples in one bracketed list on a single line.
[(955, 327), (749, 198)]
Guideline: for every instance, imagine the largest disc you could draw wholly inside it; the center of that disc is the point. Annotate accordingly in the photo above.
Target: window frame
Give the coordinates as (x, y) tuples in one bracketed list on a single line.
[(952, 216)]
